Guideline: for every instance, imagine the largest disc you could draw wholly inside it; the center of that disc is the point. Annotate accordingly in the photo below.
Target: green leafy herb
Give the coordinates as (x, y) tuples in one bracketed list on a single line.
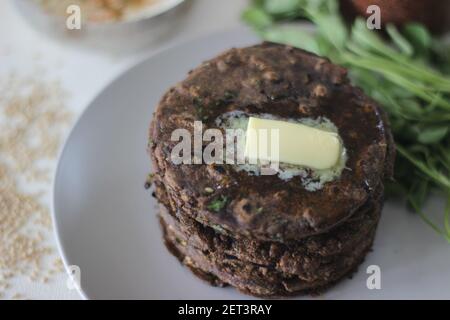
[(218, 204), (258, 17), (407, 72), (431, 135), (419, 36)]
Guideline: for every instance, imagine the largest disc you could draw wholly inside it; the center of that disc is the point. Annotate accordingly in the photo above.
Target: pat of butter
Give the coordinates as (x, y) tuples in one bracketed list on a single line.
[(293, 143)]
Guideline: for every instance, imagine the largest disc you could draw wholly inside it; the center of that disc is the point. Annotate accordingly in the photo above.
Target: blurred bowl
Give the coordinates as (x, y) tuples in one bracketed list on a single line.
[(133, 33)]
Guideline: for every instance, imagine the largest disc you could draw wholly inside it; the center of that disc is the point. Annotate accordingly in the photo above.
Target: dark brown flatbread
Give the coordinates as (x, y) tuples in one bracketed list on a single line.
[(221, 269), (302, 257), (271, 237), (285, 82)]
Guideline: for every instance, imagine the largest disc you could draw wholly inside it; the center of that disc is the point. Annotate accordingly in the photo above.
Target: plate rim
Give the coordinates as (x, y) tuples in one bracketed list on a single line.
[(79, 118)]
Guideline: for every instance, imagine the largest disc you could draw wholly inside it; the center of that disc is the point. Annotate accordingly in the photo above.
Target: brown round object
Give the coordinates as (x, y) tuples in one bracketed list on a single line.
[(261, 281), (435, 14), (271, 79)]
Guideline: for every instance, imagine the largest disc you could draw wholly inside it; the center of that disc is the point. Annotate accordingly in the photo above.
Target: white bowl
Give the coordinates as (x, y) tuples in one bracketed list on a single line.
[(136, 32)]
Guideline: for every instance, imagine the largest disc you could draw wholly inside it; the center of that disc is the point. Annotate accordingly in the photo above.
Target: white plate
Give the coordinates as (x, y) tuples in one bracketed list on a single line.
[(106, 222)]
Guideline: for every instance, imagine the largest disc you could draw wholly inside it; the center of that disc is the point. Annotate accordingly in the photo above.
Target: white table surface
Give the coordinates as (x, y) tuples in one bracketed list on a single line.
[(83, 73)]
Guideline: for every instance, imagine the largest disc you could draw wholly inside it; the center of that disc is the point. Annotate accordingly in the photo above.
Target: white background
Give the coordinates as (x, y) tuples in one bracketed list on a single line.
[(84, 72)]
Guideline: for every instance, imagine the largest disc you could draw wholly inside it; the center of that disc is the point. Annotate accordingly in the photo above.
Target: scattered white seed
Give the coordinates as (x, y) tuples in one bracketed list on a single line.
[(33, 119)]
